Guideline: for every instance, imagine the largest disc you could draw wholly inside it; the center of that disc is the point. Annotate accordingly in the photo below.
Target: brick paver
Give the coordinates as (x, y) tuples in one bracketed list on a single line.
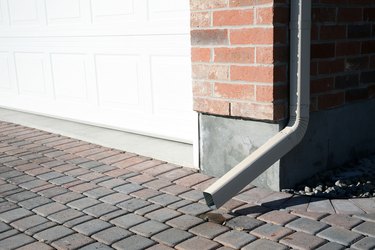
[(57, 192)]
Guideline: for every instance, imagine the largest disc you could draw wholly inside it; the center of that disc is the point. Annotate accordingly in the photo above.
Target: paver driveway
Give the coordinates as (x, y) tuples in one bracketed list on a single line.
[(59, 192)]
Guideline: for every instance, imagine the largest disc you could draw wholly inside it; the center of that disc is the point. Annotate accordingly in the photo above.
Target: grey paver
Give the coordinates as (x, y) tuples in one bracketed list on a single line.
[(366, 217), (115, 198), (21, 196), (98, 192), (307, 225), (36, 245), (194, 209), (65, 215), (50, 175), (366, 228), (339, 235), (162, 214), (135, 242), (366, 243), (159, 247), (271, 232), (345, 207), (83, 203), (14, 214), (49, 208), (113, 215), (8, 233), (277, 217), (321, 206), (111, 235), (185, 222), (62, 180), (67, 197), (340, 220), (96, 246), (367, 205), (235, 239), (148, 209), (16, 241), (331, 246), (90, 227), (52, 234), (28, 222), (33, 184), (243, 223), (39, 228), (53, 191), (149, 228), (197, 243), (193, 195), (78, 220), (300, 240), (133, 204), (209, 230), (6, 206), (100, 209), (179, 204), (74, 241), (164, 199), (4, 227), (158, 184), (128, 220), (264, 245), (172, 236), (128, 188)]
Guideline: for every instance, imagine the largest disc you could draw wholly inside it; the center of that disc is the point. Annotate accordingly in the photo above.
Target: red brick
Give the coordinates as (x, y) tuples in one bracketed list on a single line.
[(233, 17), (211, 106), (264, 15), (207, 4), (252, 73), (209, 37), (350, 15), (348, 48), (200, 54), (331, 100), (241, 3), (200, 19), (269, 55), (322, 85), (331, 66), (324, 14), (210, 72), (269, 93), (369, 14), (325, 50), (368, 47), (252, 36), (201, 89), (234, 91), (253, 110), (332, 32), (234, 55)]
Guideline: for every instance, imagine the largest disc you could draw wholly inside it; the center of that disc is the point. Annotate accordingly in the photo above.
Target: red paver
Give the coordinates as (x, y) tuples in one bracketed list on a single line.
[(277, 217)]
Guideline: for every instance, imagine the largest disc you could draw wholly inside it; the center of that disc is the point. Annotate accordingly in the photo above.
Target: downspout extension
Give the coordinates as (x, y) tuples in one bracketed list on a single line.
[(284, 141)]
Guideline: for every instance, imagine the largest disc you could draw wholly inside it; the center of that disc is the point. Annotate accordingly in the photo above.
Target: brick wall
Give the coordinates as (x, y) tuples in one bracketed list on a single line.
[(342, 52), (240, 56)]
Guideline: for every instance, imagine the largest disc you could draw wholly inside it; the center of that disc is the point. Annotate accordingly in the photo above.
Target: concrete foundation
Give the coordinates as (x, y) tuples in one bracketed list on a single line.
[(333, 138)]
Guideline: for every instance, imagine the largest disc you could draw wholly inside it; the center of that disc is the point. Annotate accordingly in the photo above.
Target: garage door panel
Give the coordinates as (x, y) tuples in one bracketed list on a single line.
[(70, 76), (67, 12), (118, 80), (168, 10), (25, 12), (5, 80), (113, 10), (31, 73)]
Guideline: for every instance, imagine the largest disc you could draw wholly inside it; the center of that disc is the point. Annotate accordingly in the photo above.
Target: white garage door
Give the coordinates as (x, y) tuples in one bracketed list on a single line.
[(117, 63)]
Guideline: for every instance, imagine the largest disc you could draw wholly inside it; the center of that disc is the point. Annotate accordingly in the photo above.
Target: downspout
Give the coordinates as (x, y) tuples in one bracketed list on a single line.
[(279, 145)]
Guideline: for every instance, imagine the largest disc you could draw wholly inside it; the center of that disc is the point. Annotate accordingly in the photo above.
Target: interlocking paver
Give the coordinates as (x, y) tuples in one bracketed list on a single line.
[(4, 227), (50, 175), (128, 188), (49, 208), (63, 180), (115, 198), (65, 215), (235, 239), (36, 245), (113, 215), (175, 190), (111, 235), (130, 161), (141, 178), (192, 195), (90, 227), (133, 204), (39, 228), (74, 241), (78, 220), (28, 222), (331, 246), (146, 193), (53, 191), (366, 217), (366, 243), (148, 209), (162, 214), (8, 233), (83, 187), (128, 220), (197, 243), (345, 207), (164, 199), (176, 174), (14, 214), (172, 236), (277, 217), (367, 205), (149, 228), (98, 192), (321, 206), (16, 241), (185, 222), (307, 225), (135, 242), (310, 215), (112, 183), (243, 223), (21, 179), (53, 234), (67, 197), (158, 184), (209, 230), (344, 221), (100, 209), (83, 203), (339, 235), (264, 245), (300, 240), (33, 184), (271, 232), (194, 209), (253, 195), (366, 228), (179, 204), (21, 196), (159, 247)]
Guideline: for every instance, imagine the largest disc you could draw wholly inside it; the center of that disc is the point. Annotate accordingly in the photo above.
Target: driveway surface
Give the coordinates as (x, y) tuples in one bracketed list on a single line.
[(59, 192)]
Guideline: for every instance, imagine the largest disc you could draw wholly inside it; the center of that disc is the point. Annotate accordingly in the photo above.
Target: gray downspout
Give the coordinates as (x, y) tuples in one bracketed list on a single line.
[(279, 145)]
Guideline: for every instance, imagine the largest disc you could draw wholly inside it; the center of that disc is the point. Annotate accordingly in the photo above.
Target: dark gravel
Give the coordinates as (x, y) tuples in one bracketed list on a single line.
[(355, 180)]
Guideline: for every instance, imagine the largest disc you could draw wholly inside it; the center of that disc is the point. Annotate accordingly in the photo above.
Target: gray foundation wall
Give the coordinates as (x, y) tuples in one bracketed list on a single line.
[(333, 138)]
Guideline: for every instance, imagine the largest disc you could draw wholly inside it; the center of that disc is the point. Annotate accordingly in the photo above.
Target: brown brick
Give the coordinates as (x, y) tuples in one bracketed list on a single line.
[(209, 37), (234, 55)]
